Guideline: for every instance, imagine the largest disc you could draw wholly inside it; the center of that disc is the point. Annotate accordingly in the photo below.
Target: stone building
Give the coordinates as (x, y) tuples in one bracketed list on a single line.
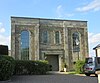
[(58, 41)]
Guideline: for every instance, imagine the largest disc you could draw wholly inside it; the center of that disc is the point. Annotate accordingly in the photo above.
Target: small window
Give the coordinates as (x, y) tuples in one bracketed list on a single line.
[(98, 60), (45, 37), (57, 37)]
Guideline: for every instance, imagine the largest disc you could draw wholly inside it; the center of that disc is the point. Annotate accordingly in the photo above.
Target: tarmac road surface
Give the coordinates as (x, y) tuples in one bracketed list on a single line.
[(57, 78)]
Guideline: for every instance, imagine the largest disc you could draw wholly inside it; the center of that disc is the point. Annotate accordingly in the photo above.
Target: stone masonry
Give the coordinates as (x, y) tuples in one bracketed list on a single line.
[(40, 51)]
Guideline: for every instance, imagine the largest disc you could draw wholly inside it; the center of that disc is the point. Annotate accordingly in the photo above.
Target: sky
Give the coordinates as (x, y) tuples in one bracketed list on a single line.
[(86, 10)]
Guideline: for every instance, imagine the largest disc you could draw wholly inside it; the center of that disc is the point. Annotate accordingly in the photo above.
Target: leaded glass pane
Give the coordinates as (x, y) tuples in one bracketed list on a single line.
[(24, 45), (76, 42), (57, 37), (45, 37)]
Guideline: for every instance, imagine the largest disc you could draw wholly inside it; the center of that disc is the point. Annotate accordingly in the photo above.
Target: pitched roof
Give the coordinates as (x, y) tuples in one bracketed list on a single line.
[(96, 47)]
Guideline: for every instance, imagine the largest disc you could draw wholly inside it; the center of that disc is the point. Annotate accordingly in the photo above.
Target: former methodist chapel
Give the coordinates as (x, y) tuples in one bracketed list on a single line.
[(57, 41)]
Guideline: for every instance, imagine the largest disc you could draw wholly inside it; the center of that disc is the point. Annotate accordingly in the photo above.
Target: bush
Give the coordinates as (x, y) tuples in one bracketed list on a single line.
[(29, 67), (79, 66), (6, 67)]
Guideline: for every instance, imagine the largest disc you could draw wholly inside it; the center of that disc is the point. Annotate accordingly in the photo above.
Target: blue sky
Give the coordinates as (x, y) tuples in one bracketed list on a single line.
[(88, 10)]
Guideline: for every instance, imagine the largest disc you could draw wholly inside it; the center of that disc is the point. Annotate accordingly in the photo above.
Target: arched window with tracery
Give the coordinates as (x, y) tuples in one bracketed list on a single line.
[(25, 45), (76, 42)]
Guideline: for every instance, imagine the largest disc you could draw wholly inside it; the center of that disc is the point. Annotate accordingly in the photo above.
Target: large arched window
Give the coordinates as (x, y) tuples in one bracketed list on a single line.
[(76, 42), (25, 45)]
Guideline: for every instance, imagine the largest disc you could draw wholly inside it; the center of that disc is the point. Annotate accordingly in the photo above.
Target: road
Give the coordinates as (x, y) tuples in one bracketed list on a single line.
[(52, 79)]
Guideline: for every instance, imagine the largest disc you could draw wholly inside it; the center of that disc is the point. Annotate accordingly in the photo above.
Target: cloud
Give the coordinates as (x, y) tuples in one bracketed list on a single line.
[(61, 12), (94, 5), (5, 40), (93, 40), (0, 23), (2, 29)]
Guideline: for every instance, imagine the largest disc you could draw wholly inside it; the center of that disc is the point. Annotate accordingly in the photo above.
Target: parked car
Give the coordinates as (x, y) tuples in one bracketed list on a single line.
[(92, 64)]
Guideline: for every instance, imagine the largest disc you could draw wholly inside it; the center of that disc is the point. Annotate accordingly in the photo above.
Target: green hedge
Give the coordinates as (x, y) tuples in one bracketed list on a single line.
[(79, 66), (6, 67), (28, 67), (9, 66)]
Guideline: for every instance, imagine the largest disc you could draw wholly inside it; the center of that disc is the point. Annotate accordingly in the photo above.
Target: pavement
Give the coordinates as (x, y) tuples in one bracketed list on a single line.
[(58, 72)]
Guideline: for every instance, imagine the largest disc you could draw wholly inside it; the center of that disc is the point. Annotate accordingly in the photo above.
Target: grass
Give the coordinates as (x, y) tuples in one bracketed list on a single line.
[(73, 72)]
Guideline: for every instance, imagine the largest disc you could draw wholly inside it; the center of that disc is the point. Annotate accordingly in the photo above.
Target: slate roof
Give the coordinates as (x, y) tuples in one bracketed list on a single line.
[(96, 47)]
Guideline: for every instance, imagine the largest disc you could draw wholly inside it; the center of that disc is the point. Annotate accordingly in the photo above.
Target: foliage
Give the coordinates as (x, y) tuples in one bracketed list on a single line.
[(79, 66), (29, 67), (9, 66), (6, 67), (72, 72)]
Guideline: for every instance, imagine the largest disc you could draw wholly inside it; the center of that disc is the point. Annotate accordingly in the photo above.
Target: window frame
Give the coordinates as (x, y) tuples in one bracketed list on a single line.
[(57, 41), (76, 41), (45, 37), (25, 44)]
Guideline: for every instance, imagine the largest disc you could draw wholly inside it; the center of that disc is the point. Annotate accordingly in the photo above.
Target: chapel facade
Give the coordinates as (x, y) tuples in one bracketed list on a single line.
[(55, 40)]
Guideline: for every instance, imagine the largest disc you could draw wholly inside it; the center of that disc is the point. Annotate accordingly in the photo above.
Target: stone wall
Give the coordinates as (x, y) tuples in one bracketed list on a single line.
[(37, 49)]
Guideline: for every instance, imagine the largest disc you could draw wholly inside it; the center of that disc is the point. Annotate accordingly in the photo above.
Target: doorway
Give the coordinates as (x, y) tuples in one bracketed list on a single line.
[(53, 61)]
